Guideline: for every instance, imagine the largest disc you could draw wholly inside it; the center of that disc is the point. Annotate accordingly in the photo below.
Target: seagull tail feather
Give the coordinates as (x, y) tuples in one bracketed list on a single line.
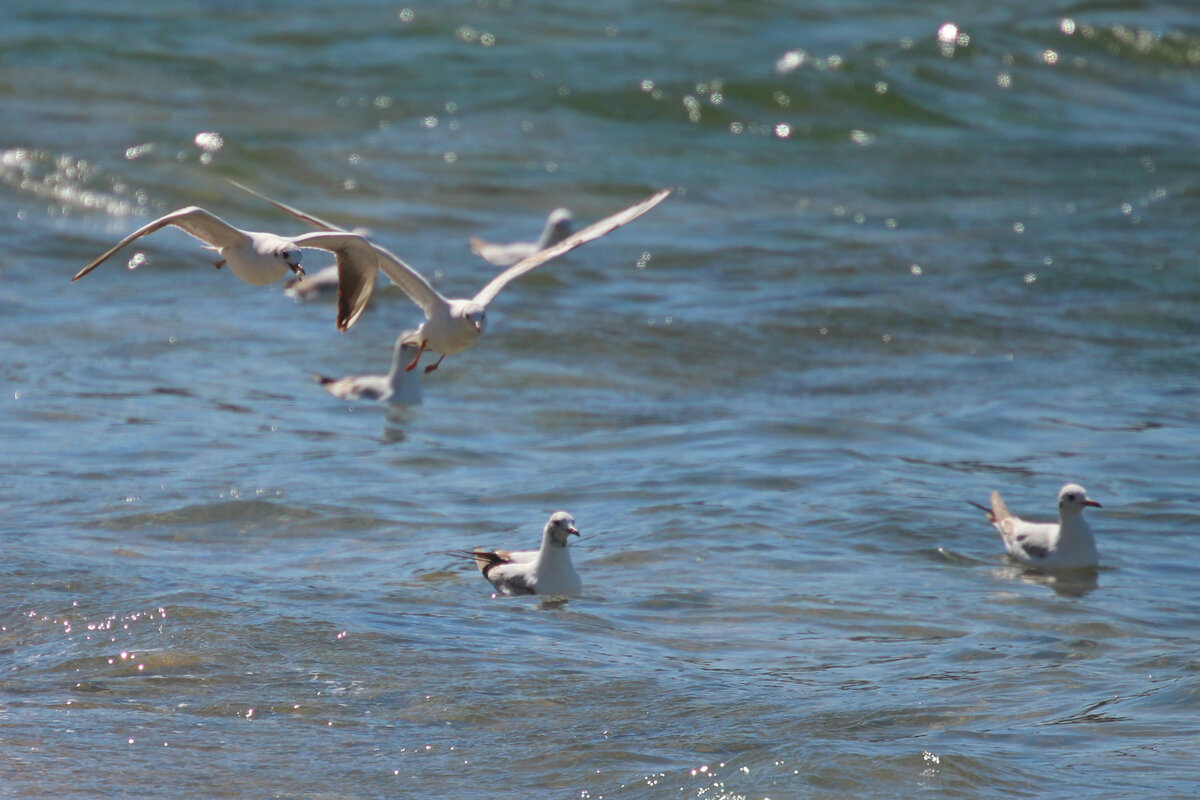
[(1000, 511)]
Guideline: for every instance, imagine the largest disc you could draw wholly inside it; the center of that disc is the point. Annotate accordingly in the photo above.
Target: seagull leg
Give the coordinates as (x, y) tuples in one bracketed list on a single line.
[(420, 350), (434, 365)]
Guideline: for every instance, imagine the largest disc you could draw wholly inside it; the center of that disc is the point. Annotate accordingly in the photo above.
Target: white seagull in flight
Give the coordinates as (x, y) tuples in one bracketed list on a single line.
[(1046, 545), (453, 325), (545, 571), (259, 258)]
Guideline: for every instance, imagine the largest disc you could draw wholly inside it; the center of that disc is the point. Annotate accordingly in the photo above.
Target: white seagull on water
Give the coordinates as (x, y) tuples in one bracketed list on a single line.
[(558, 227), (260, 258), (545, 571), (1046, 545), (313, 286), (398, 386), (453, 325)]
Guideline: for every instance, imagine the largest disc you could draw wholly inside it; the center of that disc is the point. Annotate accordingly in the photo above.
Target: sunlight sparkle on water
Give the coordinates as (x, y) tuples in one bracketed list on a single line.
[(790, 61), (209, 141)]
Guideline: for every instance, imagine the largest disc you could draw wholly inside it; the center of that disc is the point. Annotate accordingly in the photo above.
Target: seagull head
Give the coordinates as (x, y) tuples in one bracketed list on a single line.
[(1073, 498), (477, 316), (561, 526), (561, 223), (291, 257), (407, 345)]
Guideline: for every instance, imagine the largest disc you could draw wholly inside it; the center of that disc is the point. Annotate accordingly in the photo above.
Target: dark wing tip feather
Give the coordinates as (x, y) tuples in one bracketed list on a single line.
[(982, 508), (484, 560)]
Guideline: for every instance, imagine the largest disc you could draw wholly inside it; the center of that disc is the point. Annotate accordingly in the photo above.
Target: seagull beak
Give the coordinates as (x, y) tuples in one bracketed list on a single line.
[(476, 324), (572, 529), (1092, 503)]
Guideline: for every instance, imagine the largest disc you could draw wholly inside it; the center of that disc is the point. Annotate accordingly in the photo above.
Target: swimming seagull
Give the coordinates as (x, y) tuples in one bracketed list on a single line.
[(398, 386), (546, 571), (453, 325), (260, 258), (558, 227), (1067, 545), (313, 286)]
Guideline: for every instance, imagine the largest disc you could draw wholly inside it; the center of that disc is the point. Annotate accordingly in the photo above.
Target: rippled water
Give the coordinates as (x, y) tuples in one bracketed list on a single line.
[(914, 255)]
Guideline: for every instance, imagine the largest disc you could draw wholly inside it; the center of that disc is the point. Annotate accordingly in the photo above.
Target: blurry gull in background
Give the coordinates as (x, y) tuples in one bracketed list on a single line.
[(558, 227), (398, 386)]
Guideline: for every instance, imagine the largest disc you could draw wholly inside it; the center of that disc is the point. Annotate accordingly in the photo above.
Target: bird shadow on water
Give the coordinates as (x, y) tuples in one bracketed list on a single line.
[(396, 419), (552, 603), (1069, 583)]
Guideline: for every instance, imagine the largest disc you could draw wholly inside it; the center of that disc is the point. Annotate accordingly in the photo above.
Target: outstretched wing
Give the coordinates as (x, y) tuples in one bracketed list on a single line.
[(316, 222), (411, 282), (193, 220), (357, 266), (593, 231)]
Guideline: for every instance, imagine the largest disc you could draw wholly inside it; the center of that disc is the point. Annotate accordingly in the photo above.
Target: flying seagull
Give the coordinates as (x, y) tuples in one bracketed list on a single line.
[(259, 258), (453, 325)]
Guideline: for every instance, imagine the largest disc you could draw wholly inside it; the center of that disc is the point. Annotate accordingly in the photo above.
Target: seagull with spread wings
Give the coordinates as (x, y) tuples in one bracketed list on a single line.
[(453, 325), (259, 258)]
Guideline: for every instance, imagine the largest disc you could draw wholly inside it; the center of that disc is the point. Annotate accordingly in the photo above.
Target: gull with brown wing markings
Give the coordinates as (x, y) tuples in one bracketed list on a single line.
[(545, 571)]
